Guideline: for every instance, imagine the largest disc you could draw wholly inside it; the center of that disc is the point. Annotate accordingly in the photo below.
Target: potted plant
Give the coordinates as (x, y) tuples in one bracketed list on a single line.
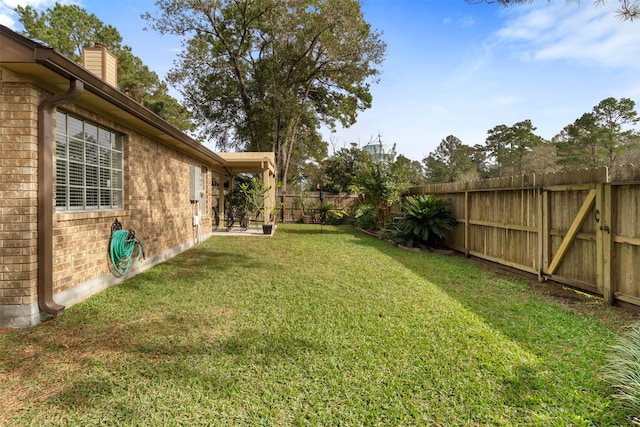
[(303, 202), (253, 193), (312, 212), (267, 227)]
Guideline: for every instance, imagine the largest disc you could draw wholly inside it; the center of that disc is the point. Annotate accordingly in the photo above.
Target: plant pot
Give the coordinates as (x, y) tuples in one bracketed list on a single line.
[(267, 228), (306, 219)]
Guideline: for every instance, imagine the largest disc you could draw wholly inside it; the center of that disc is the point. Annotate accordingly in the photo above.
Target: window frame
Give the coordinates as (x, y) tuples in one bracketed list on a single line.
[(204, 185), (89, 162)]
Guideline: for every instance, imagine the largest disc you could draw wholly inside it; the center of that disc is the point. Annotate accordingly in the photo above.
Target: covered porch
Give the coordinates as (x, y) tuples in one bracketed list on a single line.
[(262, 164)]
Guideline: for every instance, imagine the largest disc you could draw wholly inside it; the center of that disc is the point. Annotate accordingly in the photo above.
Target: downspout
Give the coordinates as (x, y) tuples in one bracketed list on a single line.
[(45, 194)]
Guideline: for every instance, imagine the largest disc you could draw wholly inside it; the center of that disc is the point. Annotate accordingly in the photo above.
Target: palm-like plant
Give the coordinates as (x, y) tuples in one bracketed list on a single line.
[(622, 371), (424, 222)]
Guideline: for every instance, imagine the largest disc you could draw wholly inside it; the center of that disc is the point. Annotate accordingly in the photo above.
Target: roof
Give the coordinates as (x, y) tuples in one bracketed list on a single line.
[(53, 71), (249, 162)]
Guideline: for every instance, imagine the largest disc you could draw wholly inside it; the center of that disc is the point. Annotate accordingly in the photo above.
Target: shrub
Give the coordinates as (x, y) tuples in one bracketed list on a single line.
[(366, 217), (622, 370), (424, 223), (337, 216)]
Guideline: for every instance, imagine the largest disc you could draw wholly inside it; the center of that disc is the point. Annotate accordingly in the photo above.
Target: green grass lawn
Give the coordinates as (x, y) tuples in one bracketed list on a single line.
[(315, 329)]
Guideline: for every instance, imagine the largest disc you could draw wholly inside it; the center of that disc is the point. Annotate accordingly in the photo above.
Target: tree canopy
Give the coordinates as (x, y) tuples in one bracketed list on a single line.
[(451, 161), (605, 136), (601, 137), (70, 28), (263, 75), (410, 171), (508, 146), (342, 170)]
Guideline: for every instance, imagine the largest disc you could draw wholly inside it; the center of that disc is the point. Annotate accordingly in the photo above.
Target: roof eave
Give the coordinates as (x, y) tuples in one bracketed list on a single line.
[(63, 66)]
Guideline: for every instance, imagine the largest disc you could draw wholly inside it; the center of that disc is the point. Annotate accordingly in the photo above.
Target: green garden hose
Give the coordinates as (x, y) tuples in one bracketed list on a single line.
[(121, 249)]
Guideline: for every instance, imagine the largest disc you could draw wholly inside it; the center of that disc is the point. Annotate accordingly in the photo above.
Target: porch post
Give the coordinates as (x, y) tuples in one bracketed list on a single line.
[(221, 212), (270, 195)]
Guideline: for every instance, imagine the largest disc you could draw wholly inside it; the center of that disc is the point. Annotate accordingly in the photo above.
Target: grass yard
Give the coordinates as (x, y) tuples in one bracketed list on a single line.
[(315, 329)]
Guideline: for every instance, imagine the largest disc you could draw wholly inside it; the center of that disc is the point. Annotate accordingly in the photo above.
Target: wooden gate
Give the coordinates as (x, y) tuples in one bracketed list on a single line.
[(575, 233)]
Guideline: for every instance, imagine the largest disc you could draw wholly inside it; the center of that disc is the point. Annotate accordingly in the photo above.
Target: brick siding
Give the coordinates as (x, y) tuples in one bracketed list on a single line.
[(18, 197), (157, 206)]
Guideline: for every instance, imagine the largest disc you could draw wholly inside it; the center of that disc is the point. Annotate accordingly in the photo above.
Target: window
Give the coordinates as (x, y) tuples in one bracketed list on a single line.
[(204, 185), (88, 165)]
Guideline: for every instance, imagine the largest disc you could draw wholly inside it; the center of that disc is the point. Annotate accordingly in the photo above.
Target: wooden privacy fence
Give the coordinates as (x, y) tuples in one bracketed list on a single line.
[(291, 211), (580, 228)]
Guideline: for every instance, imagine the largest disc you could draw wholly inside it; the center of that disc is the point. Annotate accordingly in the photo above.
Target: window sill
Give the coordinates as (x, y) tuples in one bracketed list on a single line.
[(71, 216)]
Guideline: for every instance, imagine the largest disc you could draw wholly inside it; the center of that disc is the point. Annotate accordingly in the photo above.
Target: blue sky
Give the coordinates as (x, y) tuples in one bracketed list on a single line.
[(453, 68)]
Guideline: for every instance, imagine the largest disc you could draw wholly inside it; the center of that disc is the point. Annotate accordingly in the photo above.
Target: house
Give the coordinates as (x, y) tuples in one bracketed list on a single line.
[(75, 155)]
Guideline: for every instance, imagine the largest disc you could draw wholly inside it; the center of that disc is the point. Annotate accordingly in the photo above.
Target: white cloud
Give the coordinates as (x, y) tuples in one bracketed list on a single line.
[(585, 33), (8, 17), (467, 21), (6, 20), (470, 66), (33, 3)]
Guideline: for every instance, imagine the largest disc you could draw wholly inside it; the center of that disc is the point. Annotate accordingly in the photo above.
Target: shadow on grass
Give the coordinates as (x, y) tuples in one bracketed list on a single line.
[(174, 352), (315, 230), (478, 285), (193, 266), (568, 341), (281, 345), (111, 394)]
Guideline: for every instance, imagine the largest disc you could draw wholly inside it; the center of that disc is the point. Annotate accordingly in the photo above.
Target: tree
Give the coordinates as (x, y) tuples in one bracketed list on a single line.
[(496, 148), (602, 137), (629, 9), (310, 148), (381, 188), (509, 146), (541, 159), (450, 161), (578, 144), (480, 159), (69, 28), (523, 141), (259, 73), (408, 171), (341, 171), (611, 116)]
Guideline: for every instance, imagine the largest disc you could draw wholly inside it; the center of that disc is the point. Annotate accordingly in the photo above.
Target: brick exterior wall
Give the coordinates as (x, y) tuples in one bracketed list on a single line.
[(157, 207), (18, 203)]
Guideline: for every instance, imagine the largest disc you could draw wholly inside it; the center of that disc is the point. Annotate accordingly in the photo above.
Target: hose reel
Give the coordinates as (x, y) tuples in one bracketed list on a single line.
[(125, 249)]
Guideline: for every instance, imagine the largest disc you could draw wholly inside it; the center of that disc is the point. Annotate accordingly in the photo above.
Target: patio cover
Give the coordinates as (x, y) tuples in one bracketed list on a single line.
[(261, 163)]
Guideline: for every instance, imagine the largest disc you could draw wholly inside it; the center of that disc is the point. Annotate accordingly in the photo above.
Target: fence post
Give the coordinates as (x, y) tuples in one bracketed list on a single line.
[(541, 234), (467, 215), (545, 250), (604, 247)]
